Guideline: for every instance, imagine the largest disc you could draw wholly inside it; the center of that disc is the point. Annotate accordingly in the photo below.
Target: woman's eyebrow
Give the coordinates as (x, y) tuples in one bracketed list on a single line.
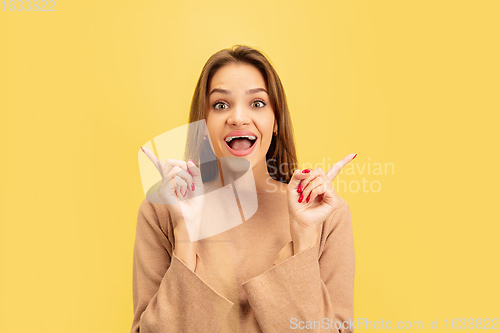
[(228, 92)]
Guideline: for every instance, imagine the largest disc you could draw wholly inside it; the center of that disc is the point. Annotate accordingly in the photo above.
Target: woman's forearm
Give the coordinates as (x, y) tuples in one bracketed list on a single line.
[(303, 238), (184, 248)]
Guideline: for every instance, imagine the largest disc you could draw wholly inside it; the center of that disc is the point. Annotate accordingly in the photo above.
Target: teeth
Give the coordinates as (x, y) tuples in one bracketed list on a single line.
[(251, 137)]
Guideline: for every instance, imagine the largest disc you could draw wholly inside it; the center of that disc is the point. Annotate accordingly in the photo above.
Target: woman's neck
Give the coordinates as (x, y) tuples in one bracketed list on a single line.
[(261, 180)]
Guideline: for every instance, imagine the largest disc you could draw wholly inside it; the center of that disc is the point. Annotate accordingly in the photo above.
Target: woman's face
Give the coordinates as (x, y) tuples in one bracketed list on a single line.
[(238, 105)]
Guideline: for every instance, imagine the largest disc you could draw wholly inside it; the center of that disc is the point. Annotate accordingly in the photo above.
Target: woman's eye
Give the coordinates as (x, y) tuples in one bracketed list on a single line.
[(263, 104), (215, 105)]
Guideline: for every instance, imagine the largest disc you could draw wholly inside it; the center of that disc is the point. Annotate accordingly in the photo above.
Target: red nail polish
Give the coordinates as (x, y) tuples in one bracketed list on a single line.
[(185, 193), (143, 150), (192, 187), (301, 198), (299, 189), (306, 171), (354, 156), (187, 168), (308, 197)]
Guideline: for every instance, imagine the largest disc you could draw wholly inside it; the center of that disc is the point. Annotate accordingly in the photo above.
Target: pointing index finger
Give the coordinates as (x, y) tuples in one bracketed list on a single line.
[(335, 169), (156, 161)]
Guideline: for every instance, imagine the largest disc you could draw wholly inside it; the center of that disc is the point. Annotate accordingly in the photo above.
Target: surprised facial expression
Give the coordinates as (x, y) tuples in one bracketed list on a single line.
[(239, 116)]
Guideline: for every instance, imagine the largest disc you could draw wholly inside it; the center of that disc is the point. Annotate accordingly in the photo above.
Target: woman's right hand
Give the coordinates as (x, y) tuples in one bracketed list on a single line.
[(181, 190)]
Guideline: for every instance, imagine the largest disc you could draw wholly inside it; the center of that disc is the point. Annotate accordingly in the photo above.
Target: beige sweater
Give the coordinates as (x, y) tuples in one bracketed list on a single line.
[(246, 279)]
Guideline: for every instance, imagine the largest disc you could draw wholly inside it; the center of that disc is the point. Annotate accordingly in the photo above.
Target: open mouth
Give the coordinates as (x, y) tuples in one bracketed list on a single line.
[(240, 145)]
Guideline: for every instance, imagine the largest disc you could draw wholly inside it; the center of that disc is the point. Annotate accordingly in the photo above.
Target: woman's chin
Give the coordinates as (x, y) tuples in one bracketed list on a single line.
[(237, 164)]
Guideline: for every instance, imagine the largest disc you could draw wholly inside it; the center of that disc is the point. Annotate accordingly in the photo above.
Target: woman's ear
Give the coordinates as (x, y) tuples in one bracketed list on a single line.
[(275, 129)]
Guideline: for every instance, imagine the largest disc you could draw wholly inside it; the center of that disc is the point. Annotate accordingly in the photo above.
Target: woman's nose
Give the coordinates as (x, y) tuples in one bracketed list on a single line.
[(238, 116)]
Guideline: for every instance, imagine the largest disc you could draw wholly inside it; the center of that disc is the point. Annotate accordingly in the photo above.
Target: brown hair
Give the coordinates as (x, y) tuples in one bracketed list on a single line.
[(281, 157)]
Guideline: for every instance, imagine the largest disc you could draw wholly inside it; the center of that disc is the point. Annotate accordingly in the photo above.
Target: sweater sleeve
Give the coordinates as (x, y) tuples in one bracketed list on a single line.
[(312, 289), (167, 295)]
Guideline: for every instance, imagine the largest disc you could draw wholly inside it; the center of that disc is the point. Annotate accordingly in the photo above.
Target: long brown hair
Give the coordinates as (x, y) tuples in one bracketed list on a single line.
[(281, 157)]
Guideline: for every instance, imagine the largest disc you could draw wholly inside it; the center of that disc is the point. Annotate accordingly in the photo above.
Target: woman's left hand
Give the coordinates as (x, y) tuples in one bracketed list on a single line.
[(311, 199)]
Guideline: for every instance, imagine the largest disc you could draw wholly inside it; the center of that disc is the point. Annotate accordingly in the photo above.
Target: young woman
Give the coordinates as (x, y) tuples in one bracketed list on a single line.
[(289, 266)]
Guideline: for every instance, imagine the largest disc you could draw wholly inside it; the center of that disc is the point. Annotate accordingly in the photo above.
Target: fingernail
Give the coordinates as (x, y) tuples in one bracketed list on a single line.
[(308, 197), (192, 187), (299, 189), (191, 161), (301, 198), (306, 171), (185, 193), (354, 156), (143, 150)]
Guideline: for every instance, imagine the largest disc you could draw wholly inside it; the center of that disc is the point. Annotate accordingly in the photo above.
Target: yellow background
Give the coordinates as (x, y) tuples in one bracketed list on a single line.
[(414, 84)]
